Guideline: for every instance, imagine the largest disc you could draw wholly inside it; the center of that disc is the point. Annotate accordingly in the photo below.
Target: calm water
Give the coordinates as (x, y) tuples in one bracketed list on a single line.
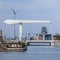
[(33, 53)]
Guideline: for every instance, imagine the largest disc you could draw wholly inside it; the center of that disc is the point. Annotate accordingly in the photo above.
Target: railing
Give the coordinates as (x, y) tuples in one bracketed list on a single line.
[(29, 37)]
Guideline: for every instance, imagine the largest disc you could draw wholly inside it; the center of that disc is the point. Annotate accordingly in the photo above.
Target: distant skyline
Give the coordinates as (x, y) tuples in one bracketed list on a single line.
[(30, 10)]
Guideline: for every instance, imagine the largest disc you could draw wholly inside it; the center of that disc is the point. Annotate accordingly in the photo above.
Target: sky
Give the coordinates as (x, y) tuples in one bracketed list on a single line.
[(30, 10)]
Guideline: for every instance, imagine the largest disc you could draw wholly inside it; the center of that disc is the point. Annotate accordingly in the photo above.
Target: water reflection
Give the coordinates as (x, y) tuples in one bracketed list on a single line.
[(33, 53)]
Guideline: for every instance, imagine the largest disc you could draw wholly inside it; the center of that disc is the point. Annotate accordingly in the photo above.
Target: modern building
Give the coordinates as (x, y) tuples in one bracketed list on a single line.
[(56, 37)]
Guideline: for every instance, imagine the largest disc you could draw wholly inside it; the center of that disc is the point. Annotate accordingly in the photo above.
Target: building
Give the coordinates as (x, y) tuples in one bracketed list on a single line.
[(56, 37), (0, 35)]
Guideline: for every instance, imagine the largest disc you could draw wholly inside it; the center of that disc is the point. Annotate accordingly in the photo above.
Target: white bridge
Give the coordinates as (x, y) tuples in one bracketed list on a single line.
[(21, 22)]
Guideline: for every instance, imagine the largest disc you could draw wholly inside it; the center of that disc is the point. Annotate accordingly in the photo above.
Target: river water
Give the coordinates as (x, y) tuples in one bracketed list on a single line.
[(33, 53)]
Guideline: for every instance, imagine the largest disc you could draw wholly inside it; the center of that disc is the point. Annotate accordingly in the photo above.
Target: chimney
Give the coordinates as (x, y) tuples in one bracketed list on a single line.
[(0, 35)]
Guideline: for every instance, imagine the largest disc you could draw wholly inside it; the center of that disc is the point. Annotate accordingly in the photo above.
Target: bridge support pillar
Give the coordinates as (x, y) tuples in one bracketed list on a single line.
[(20, 31), (52, 44)]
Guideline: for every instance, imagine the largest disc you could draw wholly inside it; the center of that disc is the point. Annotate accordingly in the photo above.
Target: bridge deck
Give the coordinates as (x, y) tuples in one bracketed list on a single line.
[(38, 41)]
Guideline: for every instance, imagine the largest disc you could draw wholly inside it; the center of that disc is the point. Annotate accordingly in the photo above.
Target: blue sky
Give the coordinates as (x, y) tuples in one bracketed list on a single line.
[(30, 9)]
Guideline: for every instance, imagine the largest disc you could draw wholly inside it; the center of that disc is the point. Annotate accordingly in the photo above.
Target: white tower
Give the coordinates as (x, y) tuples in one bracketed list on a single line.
[(20, 31)]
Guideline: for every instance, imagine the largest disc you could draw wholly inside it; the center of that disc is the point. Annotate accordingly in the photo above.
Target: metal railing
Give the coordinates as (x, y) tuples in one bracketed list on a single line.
[(29, 37)]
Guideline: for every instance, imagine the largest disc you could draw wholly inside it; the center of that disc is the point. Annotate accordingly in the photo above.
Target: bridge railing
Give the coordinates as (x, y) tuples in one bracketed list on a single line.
[(37, 36)]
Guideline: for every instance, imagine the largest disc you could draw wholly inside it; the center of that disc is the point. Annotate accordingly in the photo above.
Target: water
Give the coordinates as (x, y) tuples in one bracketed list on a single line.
[(33, 53)]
